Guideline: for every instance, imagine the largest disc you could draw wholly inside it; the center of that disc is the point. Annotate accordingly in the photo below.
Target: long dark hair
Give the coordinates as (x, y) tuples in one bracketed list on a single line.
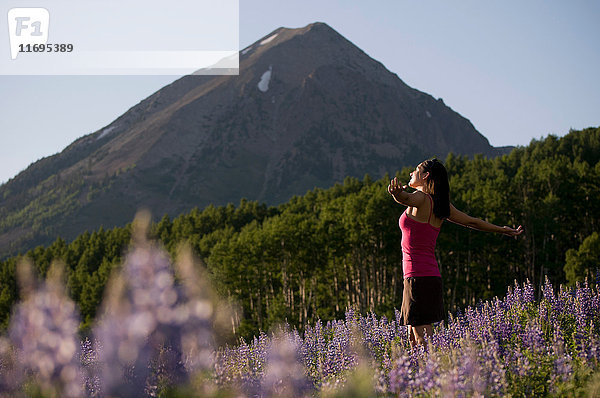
[(438, 187)]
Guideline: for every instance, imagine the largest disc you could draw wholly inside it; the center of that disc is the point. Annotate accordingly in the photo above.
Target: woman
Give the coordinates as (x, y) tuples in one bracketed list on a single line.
[(428, 207)]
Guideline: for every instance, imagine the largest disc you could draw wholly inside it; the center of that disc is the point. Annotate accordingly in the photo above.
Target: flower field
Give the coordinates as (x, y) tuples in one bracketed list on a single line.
[(155, 337), (511, 346)]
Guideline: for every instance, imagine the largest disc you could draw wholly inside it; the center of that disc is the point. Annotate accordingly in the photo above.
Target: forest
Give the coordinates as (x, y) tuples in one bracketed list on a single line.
[(317, 255)]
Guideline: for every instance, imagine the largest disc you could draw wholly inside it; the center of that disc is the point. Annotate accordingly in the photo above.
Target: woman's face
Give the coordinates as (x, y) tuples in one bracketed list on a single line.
[(417, 177)]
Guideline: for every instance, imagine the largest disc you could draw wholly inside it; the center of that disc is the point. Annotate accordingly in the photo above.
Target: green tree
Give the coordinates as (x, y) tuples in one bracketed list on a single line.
[(585, 261)]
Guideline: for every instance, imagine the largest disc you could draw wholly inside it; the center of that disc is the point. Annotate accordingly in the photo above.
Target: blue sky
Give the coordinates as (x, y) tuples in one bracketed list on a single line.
[(517, 70)]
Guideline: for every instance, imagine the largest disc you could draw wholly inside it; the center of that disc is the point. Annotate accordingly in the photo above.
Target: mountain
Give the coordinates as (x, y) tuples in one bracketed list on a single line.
[(307, 109)]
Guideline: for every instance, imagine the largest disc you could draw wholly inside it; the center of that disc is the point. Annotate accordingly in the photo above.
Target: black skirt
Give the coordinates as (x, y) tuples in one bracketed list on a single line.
[(422, 301)]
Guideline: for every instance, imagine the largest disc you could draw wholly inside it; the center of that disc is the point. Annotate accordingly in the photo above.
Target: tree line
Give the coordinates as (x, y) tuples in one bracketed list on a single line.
[(316, 255)]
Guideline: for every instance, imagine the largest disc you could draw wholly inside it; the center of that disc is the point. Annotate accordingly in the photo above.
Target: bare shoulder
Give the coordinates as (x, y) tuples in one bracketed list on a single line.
[(418, 199)]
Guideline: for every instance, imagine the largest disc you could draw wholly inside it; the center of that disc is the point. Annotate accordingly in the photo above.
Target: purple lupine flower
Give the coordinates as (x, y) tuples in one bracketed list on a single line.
[(401, 330), (374, 334), (595, 308), (131, 318), (472, 372), (565, 299), (193, 317), (533, 337), (382, 374), (528, 292), (562, 362), (88, 357), (548, 291), (10, 375), (450, 384), (153, 331), (490, 356), (502, 327), (259, 349), (366, 327), (427, 378), (336, 355), (592, 354), (43, 331), (386, 333), (454, 331), (513, 296), (479, 321), (583, 305), (234, 368), (351, 315), (461, 326), (255, 363), (521, 364), (400, 375), (466, 376), (313, 350), (285, 376), (225, 364), (439, 340)]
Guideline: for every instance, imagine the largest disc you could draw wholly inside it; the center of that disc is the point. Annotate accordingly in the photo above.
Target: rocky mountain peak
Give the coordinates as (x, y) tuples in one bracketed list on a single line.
[(307, 109)]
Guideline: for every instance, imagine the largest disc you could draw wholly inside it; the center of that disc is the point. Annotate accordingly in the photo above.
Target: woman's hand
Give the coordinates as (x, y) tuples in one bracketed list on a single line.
[(512, 231), (395, 187), (397, 190)]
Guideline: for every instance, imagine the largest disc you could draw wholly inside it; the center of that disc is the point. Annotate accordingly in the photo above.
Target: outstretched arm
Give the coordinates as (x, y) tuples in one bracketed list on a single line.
[(460, 218)]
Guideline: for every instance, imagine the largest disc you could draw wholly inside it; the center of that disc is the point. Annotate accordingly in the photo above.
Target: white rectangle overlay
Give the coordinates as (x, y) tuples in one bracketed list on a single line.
[(109, 37)]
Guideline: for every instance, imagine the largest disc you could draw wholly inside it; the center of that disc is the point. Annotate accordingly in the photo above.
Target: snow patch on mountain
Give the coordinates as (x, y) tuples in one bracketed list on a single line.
[(263, 84), (268, 39), (105, 132)]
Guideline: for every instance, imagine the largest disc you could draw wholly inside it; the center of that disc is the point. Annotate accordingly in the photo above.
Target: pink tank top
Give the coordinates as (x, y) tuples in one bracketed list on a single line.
[(418, 246)]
